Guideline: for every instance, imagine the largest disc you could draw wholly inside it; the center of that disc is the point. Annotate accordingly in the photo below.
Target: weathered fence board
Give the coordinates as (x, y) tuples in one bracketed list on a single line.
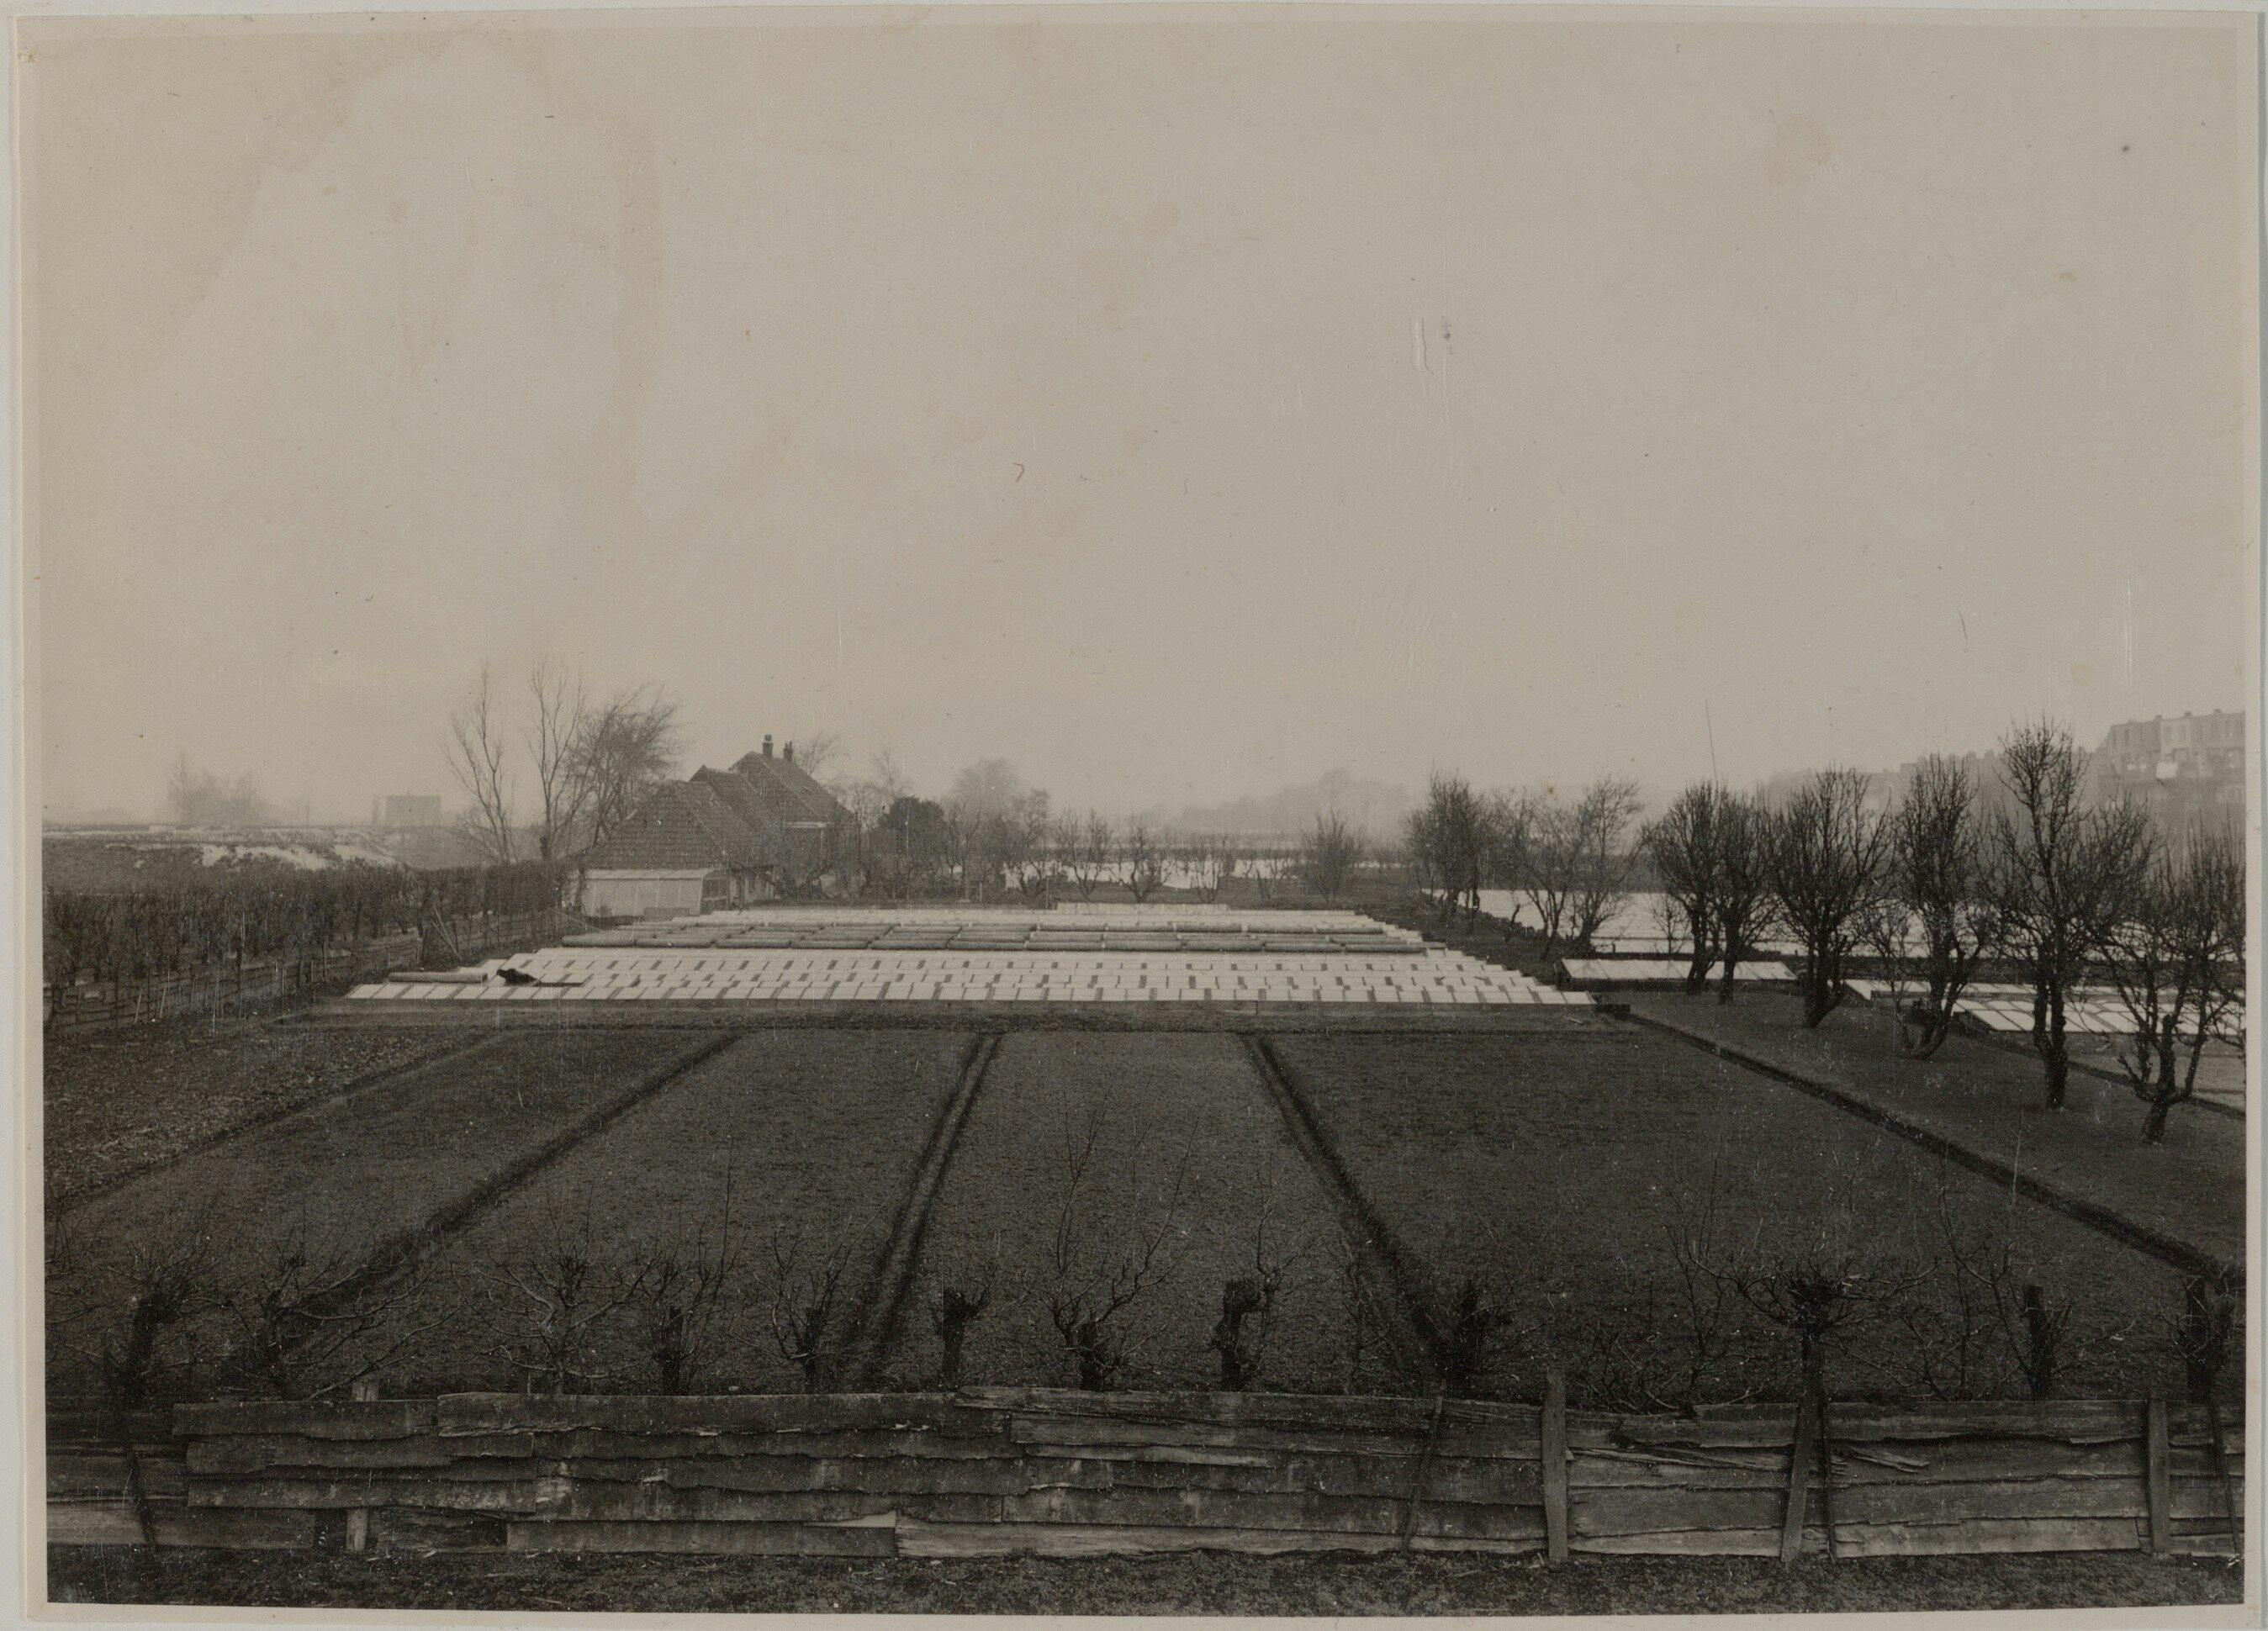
[(107, 1473), (338, 1419), (118, 1523), (459, 1414), (917, 1539), (583, 1443), (1020, 1470), (721, 1539)]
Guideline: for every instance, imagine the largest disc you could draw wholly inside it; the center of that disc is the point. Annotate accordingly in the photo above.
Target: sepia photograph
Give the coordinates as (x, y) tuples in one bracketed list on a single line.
[(1159, 810)]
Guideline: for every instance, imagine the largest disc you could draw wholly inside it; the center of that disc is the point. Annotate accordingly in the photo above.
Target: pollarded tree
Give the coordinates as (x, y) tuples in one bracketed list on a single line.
[(2064, 876), (1683, 846), (1938, 896), (2178, 963), (1828, 863)]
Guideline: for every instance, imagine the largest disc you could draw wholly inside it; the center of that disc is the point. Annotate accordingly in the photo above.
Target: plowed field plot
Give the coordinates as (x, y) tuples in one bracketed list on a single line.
[(805, 1141), (1560, 1171), (114, 1102), (1082, 1153), (340, 1181)]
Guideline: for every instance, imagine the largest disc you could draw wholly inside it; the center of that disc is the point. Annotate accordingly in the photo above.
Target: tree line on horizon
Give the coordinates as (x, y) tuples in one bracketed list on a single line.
[(2063, 890)]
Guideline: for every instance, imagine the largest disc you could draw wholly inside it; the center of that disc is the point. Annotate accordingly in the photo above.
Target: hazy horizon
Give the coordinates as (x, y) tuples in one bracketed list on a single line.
[(1178, 407)]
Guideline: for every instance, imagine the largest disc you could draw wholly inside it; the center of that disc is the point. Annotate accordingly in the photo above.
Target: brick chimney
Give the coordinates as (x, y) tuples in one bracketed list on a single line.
[(768, 746), (789, 753)]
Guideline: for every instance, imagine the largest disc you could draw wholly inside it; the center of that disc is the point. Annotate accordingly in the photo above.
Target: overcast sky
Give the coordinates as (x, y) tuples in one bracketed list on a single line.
[(1178, 405)]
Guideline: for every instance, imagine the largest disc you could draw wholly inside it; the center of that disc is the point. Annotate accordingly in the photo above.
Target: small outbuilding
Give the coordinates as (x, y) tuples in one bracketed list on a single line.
[(684, 851)]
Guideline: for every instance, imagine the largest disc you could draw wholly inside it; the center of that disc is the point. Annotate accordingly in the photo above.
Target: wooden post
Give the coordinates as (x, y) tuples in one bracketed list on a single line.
[(1825, 1446), (1425, 1466), (1555, 1465), (2221, 1470), (358, 1518), (1799, 1466), (2158, 1471)]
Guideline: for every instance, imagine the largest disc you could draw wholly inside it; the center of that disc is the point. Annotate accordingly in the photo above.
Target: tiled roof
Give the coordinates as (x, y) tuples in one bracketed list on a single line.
[(740, 796), (789, 791), (684, 824)]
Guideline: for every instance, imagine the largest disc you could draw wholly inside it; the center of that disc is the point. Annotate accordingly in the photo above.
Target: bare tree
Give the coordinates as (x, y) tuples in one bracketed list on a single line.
[(817, 753), (1814, 1295), (1090, 853), (478, 745), (1579, 860), (1683, 846), (1937, 896), (997, 824), (960, 1300), (77, 930), (682, 1279), (1101, 1271), (1828, 858), (1744, 897), (807, 1292), (2177, 963), (1024, 844), (622, 749), (1989, 1312), (1211, 863), (304, 1327), (150, 1349), (555, 1310), (1474, 1317), (1448, 838), (1248, 1301), (2062, 879), (1143, 862), (1330, 855), (2209, 1331), (555, 723), (1603, 856), (1508, 826)]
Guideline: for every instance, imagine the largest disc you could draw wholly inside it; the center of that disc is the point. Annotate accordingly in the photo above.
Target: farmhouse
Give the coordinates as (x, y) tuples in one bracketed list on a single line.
[(802, 830), (721, 838), (683, 851)]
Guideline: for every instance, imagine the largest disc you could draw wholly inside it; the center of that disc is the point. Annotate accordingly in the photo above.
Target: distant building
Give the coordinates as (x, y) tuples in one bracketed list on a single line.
[(682, 851), (1982, 770), (2180, 769), (407, 810), (721, 838), (805, 830)]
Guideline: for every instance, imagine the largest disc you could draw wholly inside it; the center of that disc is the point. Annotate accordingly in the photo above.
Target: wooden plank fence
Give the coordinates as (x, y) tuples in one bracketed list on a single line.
[(1020, 1470)]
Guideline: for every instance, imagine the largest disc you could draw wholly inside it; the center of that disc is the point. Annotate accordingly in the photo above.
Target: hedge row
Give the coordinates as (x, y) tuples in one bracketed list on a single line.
[(228, 922)]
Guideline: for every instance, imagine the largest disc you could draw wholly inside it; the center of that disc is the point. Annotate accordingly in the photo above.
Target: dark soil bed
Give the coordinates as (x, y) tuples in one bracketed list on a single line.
[(1203, 1584), (1989, 1098), (340, 1182), (1558, 1175), (121, 1101), (1186, 1147), (809, 1138)]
